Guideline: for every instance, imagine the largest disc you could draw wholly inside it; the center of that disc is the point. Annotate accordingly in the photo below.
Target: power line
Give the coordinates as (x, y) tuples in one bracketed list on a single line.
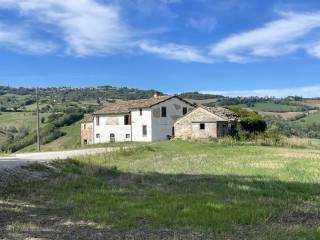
[(38, 121)]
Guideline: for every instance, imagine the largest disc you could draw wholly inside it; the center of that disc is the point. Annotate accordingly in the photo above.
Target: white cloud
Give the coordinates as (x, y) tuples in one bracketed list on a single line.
[(314, 49), (86, 26), (20, 40), (307, 91), (203, 24), (173, 51), (96, 27), (276, 38)]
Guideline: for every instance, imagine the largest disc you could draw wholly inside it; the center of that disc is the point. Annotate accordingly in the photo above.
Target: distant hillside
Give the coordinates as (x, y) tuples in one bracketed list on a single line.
[(292, 116), (199, 96)]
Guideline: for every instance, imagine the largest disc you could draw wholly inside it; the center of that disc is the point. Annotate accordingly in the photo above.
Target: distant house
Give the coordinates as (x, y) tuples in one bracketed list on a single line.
[(206, 122), (143, 120)]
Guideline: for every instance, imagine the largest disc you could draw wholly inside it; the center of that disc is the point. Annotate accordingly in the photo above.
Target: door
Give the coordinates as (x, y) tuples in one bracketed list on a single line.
[(112, 137)]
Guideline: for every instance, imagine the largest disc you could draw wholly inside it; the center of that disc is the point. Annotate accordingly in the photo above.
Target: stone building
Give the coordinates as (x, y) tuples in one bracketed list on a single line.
[(143, 120), (87, 130), (206, 122)]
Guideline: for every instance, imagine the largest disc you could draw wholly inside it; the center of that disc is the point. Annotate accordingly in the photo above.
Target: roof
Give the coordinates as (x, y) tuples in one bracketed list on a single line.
[(222, 112), (87, 118), (127, 106)]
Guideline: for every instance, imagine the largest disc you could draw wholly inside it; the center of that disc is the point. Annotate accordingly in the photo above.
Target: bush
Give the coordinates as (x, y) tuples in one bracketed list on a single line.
[(250, 121), (253, 125)]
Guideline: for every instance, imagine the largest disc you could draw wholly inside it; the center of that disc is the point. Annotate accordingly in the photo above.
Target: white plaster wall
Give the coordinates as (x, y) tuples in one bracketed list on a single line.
[(162, 126), (158, 128), (105, 129), (137, 123)]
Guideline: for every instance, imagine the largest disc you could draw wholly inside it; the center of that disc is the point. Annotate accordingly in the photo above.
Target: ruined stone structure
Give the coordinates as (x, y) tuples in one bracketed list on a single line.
[(205, 122)]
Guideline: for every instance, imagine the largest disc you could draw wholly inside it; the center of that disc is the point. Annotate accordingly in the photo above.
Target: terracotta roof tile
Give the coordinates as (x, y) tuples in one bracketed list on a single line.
[(126, 106), (87, 118), (222, 112)]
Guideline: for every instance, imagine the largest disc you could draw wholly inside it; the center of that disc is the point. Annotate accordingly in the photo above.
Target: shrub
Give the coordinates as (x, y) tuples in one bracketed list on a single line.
[(253, 125), (250, 121)]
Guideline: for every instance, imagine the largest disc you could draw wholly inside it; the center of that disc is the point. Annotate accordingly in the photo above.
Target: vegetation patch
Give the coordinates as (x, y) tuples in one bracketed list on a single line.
[(194, 190)]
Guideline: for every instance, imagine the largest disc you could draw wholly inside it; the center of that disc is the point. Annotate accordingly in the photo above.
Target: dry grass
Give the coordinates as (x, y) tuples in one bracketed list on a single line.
[(171, 190), (312, 103), (283, 115)]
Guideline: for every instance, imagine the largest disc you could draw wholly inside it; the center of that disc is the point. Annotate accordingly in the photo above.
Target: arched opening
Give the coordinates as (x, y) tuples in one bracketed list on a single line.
[(112, 137)]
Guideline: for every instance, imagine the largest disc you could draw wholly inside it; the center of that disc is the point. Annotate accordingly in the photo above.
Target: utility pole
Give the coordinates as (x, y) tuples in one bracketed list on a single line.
[(38, 121)]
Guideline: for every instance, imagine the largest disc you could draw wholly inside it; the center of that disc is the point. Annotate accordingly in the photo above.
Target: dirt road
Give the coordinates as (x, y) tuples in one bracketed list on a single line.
[(18, 160)]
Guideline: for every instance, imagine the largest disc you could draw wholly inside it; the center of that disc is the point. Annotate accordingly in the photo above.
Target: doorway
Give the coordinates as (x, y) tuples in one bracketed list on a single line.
[(112, 137)]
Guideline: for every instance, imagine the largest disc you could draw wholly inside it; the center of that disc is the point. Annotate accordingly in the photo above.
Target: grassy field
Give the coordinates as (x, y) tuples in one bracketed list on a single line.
[(271, 107), (313, 118), (71, 140), (19, 119), (172, 190)]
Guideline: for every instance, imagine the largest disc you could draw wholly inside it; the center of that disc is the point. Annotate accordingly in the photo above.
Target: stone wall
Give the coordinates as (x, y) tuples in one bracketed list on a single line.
[(188, 127), (86, 133)]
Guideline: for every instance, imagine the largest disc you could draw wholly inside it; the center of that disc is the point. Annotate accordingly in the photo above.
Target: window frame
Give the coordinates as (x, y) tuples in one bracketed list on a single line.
[(144, 130), (184, 111), (127, 120), (164, 111)]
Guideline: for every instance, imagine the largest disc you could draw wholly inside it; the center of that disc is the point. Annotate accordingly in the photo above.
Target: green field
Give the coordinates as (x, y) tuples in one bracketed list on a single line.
[(181, 189), (272, 107), (313, 118), (20, 119), (71, 140)]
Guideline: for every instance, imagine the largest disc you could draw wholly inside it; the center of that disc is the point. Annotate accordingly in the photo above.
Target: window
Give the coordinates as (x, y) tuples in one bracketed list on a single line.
[(97, 120), (140, 111), (163, 112), (127, 120), (127, 135), (202, 126), (184, 111), (144, 130), (85, 141), (98, 135), (112, 137), (84, 126)]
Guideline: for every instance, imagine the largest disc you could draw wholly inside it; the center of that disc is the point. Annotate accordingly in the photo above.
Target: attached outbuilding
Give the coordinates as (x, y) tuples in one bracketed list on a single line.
[(87, 130), (206, 122)]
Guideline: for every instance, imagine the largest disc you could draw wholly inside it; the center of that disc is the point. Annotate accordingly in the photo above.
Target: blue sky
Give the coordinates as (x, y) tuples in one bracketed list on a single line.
[(231, 47)]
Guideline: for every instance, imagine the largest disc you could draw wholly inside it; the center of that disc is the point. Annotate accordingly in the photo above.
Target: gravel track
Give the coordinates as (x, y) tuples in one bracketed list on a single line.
[(23, 159)]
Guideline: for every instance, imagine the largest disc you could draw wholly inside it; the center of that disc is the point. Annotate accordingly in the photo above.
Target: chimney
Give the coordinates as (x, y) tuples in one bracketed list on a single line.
[(156, 94)]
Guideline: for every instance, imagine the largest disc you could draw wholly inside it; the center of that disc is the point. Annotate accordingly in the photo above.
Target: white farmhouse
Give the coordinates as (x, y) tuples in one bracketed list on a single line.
[(143, 120)]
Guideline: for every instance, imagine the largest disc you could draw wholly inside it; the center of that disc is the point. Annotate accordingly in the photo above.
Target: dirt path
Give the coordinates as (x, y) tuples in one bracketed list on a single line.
[(18, 160)]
